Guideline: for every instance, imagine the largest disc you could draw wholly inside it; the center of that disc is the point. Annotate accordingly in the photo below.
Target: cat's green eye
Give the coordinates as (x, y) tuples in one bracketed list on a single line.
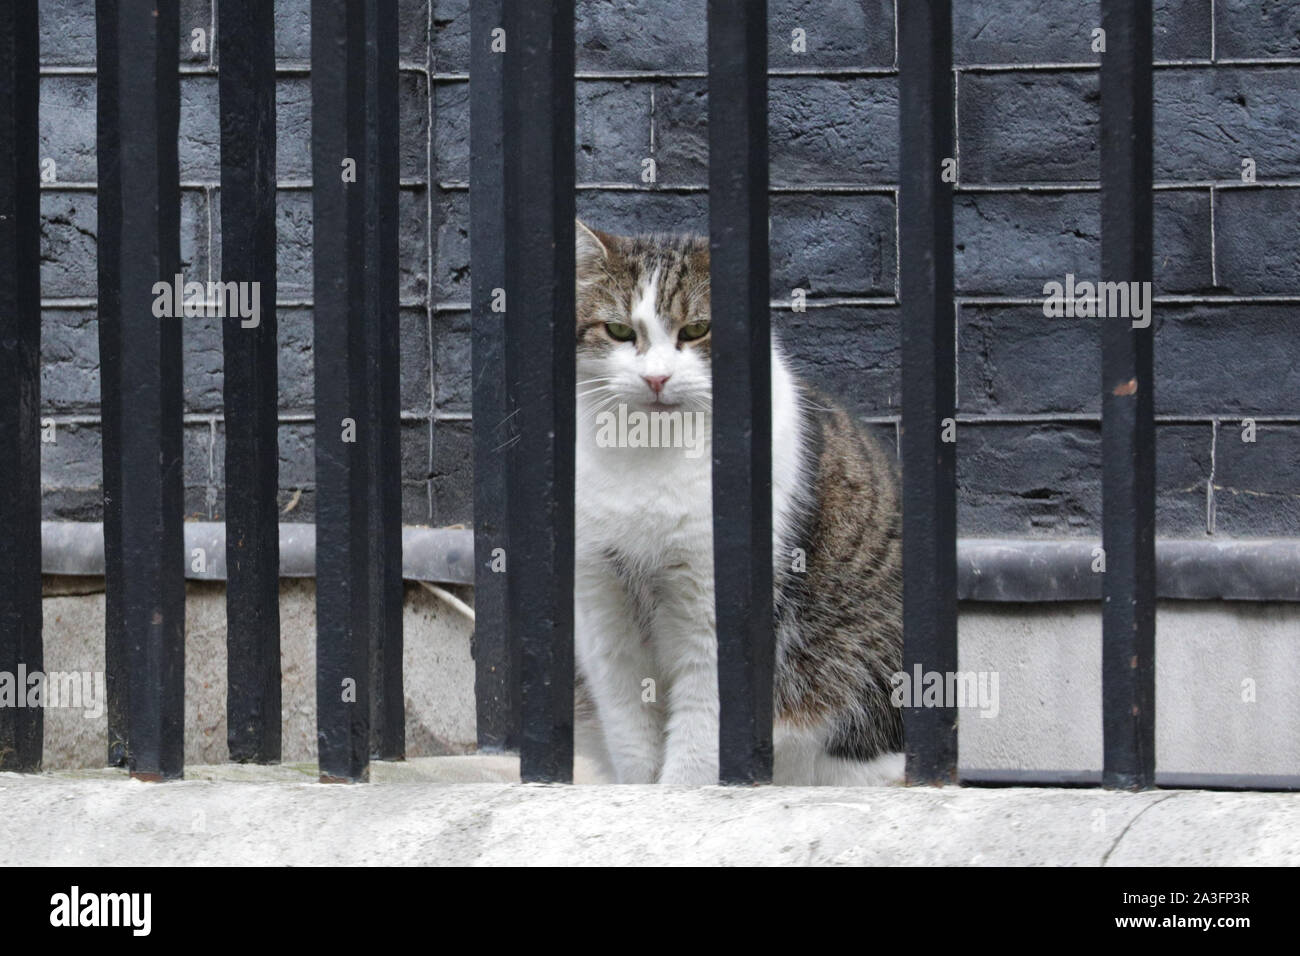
[(620, 332), (693, 331)]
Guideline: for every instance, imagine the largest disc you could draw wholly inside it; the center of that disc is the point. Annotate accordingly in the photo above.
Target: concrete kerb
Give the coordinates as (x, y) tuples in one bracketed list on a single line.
[(466, 810)]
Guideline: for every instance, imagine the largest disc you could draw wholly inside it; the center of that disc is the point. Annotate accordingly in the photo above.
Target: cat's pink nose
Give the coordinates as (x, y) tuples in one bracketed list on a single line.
[(656, 382)]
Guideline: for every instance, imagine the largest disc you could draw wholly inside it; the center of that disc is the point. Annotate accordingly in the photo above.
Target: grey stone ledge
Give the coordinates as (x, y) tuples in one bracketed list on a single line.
[(988, 569), (444, 555), (1021, 569)]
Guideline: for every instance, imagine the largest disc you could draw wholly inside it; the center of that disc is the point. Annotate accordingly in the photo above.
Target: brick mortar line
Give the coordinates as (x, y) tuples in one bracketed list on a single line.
[(1210, 505), (1174, 298), (90, 302), (971, 418), (431, 165), (1048, 418), (898, 226), (195, 185), (1214, 39), (890, 188), (784, 189), (210, 495), (291, 68), (203, 418), (977, 301), (828, 302), (1214, 243), (1281, 62), (1164, 185), (282, 68), (895, 35), (855, 72)]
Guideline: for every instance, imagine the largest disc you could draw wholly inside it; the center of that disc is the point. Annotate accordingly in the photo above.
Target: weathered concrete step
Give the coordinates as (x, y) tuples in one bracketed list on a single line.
[(428, 811)]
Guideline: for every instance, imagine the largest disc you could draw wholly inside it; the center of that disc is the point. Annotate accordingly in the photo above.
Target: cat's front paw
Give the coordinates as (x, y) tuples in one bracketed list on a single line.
[(690, 773), (635, 771)]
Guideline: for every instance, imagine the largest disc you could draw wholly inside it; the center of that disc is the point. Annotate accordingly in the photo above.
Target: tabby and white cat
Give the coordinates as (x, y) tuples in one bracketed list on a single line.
[(644, 612)]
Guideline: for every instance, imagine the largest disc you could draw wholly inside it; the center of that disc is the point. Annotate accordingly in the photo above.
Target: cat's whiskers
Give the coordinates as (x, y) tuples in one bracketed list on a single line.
[(591, 413), (595, 408)]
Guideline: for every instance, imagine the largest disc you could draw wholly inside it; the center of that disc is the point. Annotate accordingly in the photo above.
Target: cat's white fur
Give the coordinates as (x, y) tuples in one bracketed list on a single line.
[(654, 678)]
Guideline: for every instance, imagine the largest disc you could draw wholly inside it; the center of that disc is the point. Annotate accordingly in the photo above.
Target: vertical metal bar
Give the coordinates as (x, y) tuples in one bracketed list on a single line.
[(247, 90), (496, 687), (929, 381), (343, 582), (742, 402), (140, 360), (383, 378), (1127, 408), (540, 343), (21, 727)]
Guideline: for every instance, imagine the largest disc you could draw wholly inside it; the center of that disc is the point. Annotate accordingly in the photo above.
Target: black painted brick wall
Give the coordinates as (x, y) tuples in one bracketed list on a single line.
[(1227, 253)]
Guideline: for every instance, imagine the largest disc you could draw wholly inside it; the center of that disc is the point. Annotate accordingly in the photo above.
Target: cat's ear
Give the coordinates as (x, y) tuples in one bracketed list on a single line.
[(591, 246)]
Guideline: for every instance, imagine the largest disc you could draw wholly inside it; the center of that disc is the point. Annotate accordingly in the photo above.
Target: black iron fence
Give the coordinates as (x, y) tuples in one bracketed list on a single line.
[(522, 210)]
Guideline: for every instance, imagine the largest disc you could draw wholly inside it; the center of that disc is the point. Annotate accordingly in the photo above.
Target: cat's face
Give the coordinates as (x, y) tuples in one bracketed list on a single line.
[(643, 322)]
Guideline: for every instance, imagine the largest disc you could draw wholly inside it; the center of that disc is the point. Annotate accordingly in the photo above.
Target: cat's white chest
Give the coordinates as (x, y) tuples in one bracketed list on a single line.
[(652, 504)]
